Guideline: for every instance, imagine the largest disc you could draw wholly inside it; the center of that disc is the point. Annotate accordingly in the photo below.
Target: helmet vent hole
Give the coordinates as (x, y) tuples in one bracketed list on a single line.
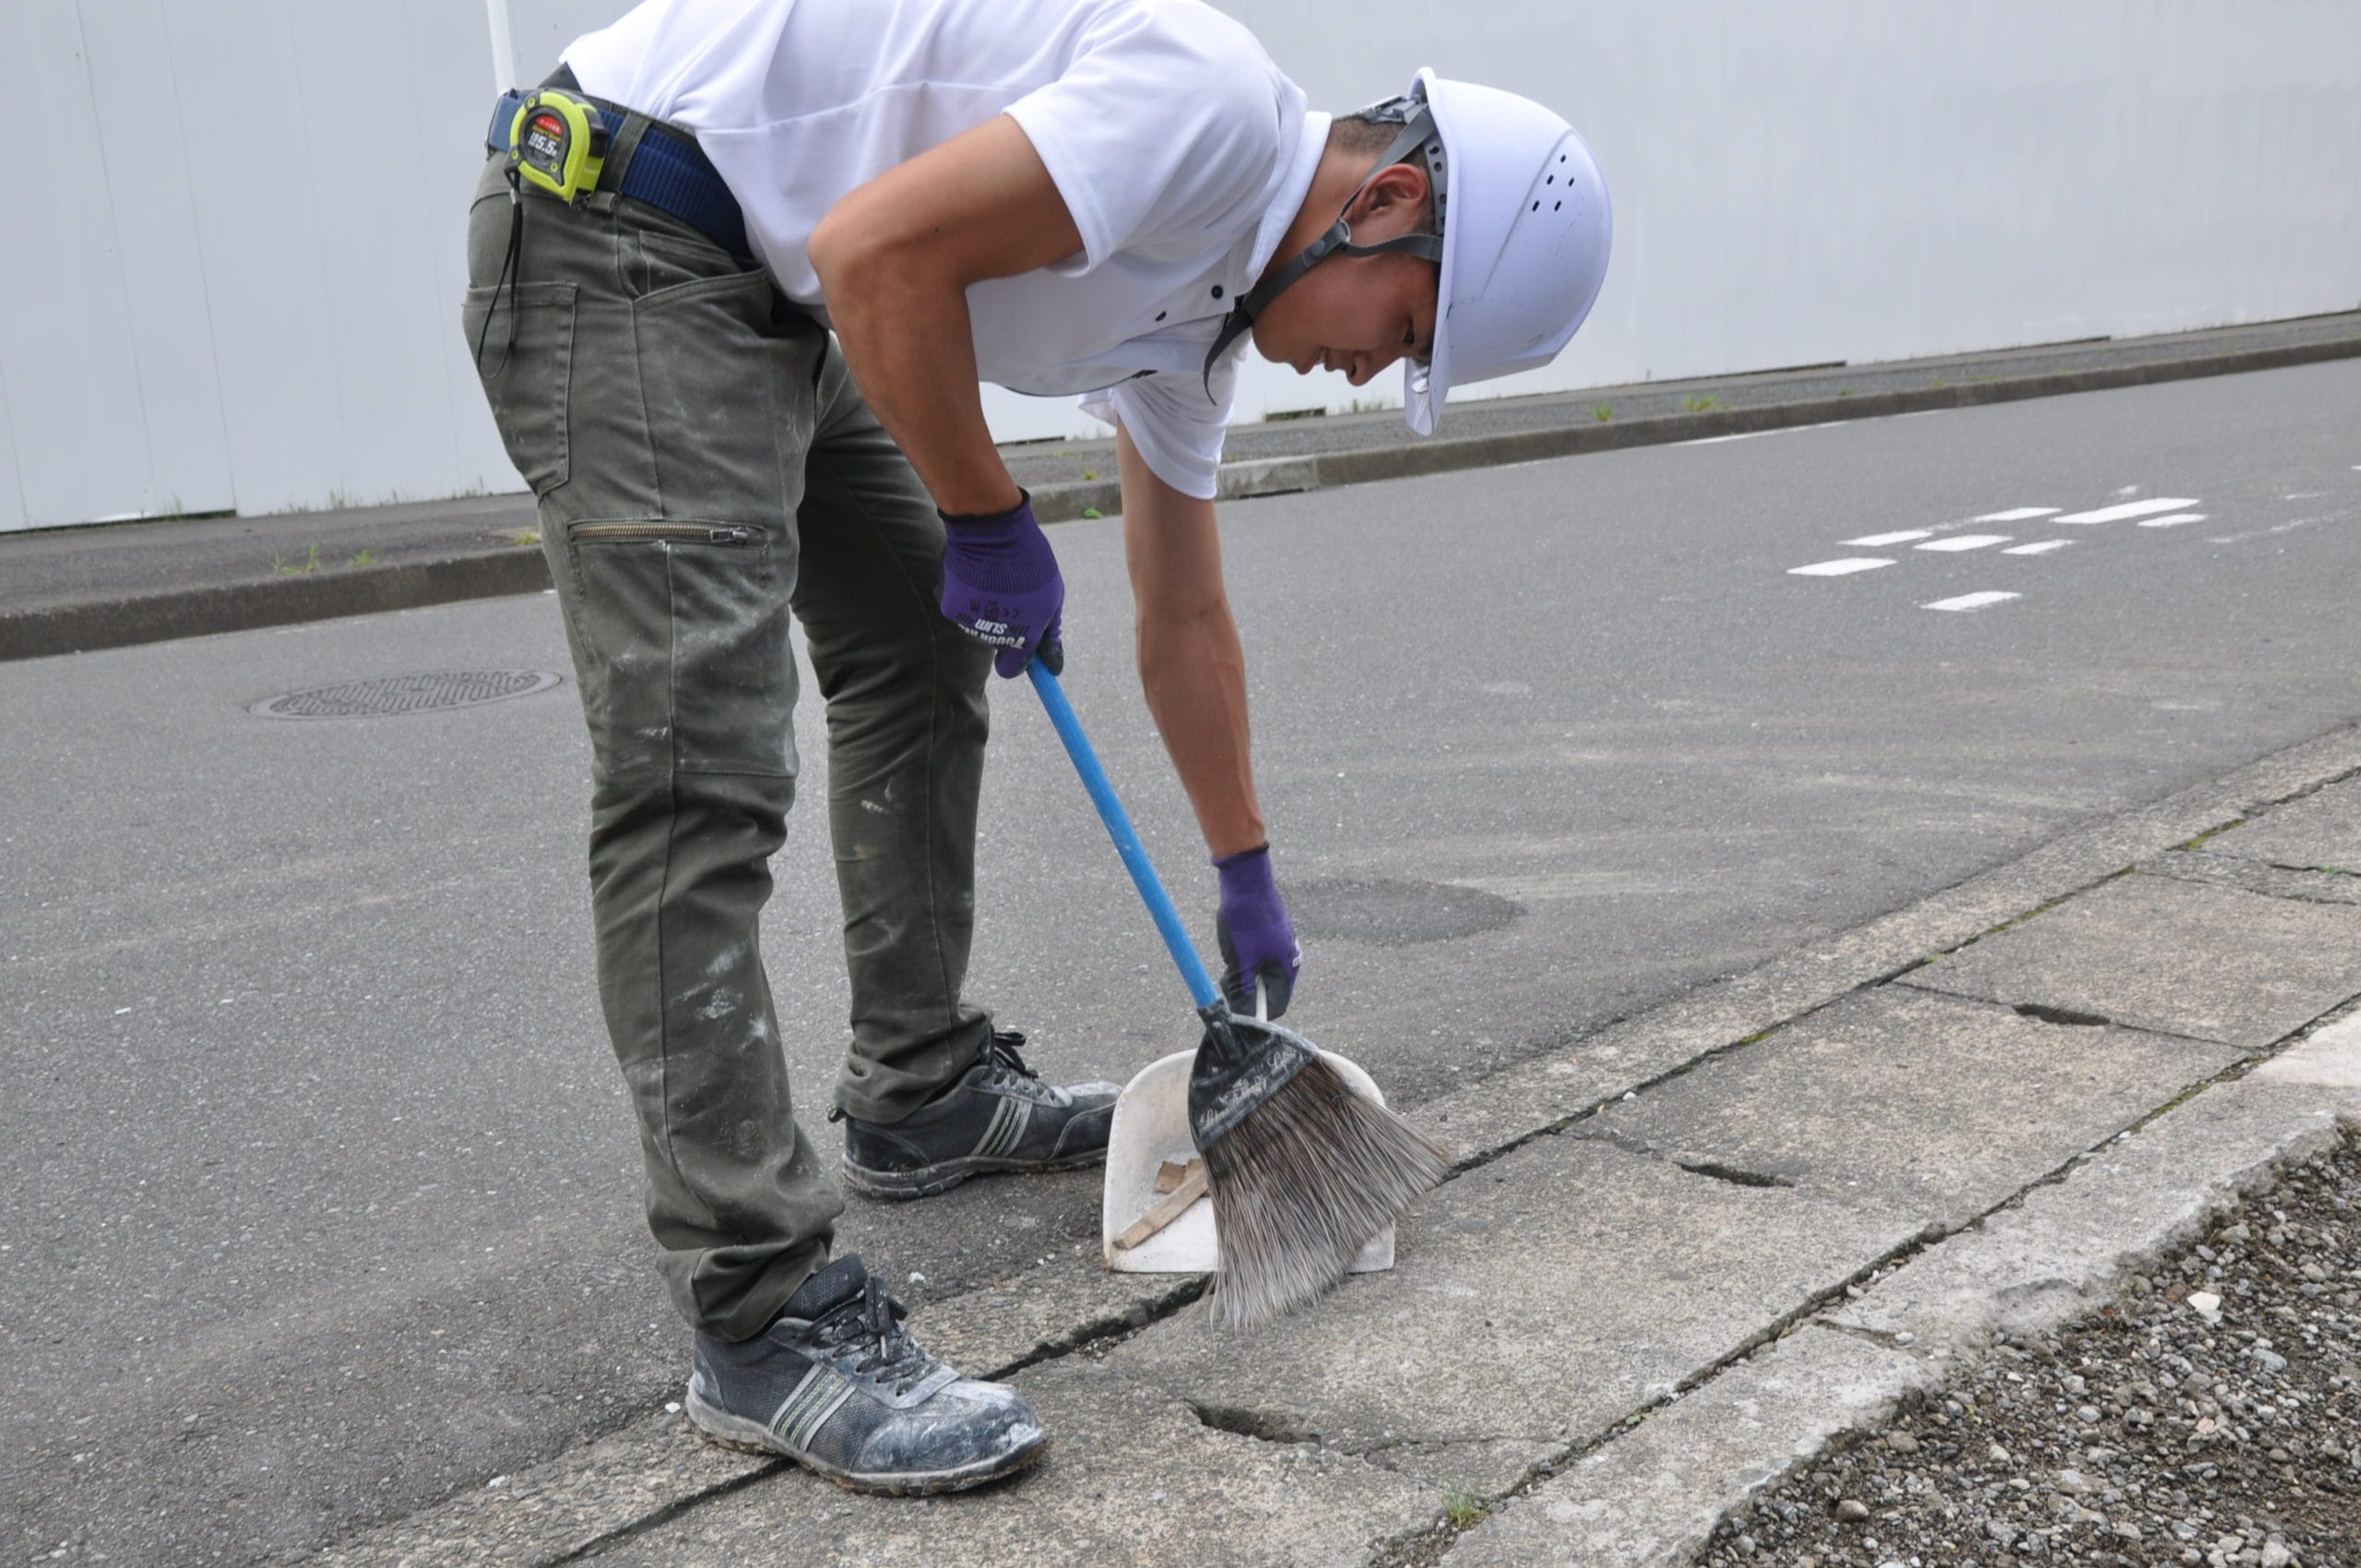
[(1536, 207), (1555, 206)]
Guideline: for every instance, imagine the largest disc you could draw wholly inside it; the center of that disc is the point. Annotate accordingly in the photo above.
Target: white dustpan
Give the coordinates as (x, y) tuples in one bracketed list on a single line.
[(1151, 1131)]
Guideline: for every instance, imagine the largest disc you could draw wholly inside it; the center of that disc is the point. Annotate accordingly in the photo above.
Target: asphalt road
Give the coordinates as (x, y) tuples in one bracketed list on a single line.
[(322, 1188)]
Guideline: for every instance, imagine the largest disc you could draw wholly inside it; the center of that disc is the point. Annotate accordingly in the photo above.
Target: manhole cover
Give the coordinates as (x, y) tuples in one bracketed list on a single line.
[(1395, 914), (407, 694)]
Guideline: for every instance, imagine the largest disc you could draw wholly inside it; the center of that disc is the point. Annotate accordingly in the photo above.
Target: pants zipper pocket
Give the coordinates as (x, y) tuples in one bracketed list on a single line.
[(737, 534)]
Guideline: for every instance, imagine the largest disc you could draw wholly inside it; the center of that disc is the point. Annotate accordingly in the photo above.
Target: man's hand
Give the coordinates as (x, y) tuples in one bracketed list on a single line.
[(1257, 939), (1002, 586)]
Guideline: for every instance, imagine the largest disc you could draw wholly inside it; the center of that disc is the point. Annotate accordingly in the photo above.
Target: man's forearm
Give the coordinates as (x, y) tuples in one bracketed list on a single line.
[(911, 348), (1195, 675), (1191, 665)]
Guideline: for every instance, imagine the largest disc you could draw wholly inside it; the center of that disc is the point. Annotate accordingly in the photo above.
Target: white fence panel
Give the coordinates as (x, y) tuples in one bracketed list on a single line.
[(12, 490), (236, 272), (137, 104), (66, 335)]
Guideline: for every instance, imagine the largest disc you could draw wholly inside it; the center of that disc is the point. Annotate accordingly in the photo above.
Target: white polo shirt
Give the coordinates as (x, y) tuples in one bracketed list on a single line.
[(1178, 146)]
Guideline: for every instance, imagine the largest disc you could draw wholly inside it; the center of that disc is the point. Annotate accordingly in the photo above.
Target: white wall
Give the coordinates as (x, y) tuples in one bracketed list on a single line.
[(233, 261)]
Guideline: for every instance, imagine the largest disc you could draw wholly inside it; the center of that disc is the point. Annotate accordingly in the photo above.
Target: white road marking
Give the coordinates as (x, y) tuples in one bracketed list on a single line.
[(1970, 600), (1750, 434), (2017, 514), (1965, 541), (1839, 568), (2044, 548), (2284, 528), (2174, 521), (1876, 540), (2129, 510)]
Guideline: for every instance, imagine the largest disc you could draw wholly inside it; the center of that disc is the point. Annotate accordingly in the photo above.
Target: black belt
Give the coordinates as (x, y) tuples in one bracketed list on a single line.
[(668, 170)]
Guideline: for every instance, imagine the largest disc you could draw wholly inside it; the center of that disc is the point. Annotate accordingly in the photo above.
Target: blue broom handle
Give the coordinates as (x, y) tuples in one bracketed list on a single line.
[(1127, 842)]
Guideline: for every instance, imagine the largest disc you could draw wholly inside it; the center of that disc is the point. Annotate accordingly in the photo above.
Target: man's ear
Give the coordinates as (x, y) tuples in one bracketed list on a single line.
[(1399, 191)]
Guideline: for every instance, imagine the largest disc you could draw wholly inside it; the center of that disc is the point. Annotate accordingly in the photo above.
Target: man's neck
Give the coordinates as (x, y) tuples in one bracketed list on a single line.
[(1339, 175)]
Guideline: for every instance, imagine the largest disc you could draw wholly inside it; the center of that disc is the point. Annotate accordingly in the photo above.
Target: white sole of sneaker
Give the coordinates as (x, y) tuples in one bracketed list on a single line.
[(896, 1185), (719, 1426)]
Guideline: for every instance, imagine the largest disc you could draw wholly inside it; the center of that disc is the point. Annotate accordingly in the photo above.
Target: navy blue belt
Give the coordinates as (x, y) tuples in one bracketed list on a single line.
[(668, 171)]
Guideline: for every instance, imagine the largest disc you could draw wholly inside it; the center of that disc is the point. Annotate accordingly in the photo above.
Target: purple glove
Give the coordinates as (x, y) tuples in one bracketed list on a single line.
[(1000, 584), (1257, 939)]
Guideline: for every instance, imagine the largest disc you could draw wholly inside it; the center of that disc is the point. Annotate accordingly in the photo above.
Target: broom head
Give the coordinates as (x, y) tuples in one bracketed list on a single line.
[(1303, 1169)]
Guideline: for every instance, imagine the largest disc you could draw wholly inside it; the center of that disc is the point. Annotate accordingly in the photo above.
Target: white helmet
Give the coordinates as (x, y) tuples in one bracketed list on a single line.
[(1525, 228)]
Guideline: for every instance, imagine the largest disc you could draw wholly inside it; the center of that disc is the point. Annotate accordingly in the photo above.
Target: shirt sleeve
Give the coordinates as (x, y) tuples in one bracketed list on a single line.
[(1177, 430), (1163, 130)]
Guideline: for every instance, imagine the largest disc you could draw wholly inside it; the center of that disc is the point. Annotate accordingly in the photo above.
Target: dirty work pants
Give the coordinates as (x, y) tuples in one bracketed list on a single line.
[(703, 465)]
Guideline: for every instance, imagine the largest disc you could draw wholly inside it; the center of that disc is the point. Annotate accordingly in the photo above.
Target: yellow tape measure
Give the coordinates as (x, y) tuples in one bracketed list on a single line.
[(557, 142)]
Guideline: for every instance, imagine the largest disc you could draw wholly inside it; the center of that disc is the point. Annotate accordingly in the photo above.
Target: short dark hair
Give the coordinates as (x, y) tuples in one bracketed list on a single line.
[(1369, 132)]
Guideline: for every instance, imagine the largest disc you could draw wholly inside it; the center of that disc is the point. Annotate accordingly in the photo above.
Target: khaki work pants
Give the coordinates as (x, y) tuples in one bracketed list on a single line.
[(703, 466)]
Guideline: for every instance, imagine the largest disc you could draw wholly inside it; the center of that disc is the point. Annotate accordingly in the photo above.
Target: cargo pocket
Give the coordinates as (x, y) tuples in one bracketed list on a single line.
[(685, 626), (528, 383)]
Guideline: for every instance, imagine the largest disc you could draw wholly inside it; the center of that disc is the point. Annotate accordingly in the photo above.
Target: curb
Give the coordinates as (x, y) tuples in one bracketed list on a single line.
[(1284, 476), (1832, 1368), (238, 607), (143, 618)]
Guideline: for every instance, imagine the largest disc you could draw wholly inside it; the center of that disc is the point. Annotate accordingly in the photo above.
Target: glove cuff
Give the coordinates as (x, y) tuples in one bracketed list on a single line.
[(1246, 873), (990, 522)]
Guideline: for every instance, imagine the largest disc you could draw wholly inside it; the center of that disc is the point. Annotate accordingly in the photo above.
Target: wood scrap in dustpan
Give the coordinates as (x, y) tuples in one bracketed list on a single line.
[(1176, 1203), (1172, 1173)]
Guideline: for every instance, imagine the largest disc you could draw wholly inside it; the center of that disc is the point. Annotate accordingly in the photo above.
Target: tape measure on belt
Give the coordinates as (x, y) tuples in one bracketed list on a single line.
[(557, 142), (559, 139)]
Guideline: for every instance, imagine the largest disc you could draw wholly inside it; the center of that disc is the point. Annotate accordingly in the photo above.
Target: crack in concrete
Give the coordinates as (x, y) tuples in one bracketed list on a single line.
[(1732, 1174), (2073, 1019), (1712, 1170), (1108, 1331), (2068, 1017), (665, 1514), (2326, 888), (1262, 1426)]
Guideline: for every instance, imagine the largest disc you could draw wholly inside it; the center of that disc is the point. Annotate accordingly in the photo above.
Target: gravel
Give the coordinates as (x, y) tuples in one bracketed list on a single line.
[(2211, 1415)]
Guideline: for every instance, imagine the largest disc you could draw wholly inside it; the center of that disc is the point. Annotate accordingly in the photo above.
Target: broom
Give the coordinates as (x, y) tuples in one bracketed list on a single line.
[(1302, 1168)]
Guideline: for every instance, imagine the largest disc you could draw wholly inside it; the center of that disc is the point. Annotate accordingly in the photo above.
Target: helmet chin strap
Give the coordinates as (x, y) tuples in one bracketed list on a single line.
[(1338, 240)]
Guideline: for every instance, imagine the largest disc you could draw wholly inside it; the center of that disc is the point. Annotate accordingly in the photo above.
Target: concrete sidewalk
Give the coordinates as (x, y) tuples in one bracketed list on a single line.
[(71, 589), (1677, 1256)]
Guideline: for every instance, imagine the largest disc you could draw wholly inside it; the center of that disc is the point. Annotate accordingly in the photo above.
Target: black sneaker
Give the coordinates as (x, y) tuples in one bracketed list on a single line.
[(999, 1116), (837, 1385)]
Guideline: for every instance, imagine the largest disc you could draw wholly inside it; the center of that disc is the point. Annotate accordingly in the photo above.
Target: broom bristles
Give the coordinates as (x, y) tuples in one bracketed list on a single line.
[(1302, 1186)]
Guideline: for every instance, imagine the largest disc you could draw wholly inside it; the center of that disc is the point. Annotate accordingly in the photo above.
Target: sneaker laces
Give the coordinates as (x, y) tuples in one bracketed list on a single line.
[(1001, 1051), (893, 1356)]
